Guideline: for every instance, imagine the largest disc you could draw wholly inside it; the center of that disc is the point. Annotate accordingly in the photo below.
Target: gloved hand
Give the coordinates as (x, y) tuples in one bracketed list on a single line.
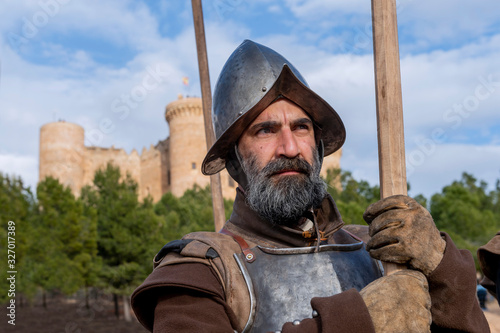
[(403, 232), (399, 302)]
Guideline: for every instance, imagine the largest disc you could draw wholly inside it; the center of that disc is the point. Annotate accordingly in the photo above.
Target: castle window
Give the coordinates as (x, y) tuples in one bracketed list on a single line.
[(168, 177), (193, 165), (230, 181)]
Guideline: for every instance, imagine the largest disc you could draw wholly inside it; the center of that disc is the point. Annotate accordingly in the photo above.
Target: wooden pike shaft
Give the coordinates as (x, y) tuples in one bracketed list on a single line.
[(206, 95), (390, 133)]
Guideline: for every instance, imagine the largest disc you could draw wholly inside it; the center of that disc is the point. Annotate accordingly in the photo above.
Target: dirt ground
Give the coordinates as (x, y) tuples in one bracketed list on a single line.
[(71, 316), (493, 315)]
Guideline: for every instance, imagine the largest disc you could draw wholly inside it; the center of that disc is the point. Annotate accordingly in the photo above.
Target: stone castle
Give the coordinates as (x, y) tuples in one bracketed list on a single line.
[(172, 165)]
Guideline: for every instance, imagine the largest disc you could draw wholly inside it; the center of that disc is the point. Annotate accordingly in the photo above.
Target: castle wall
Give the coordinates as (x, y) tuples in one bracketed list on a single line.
[(331, 162), (97, 158), (151, 174), (62, 154), (164, 149)]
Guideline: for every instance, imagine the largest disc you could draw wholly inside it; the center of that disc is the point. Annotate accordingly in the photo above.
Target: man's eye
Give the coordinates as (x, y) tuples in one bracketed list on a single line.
[(265, 130)]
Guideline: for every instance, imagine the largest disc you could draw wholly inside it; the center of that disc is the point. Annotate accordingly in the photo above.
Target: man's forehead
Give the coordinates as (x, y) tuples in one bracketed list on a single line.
[(281, 110)]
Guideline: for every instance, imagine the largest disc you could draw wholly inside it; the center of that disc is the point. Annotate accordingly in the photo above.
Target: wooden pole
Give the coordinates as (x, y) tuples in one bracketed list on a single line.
[(206, 96), (390, 133)]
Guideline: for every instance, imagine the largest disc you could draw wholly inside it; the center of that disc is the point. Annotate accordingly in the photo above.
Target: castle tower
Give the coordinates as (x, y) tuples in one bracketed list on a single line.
[(331, 162), (187, 144), (62, 154)]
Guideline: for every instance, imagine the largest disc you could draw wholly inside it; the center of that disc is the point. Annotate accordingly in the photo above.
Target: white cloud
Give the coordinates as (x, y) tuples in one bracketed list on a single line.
[(448, 21), (447, 162), (312, 9), (80, 90), (122, 23), (25, 166), (434, 83)]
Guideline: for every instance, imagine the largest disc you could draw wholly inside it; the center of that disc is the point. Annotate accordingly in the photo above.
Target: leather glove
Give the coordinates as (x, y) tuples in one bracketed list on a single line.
[(399, 302), (403, 232)]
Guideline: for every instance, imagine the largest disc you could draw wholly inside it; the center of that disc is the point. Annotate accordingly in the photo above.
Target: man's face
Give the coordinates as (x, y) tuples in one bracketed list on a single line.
[(281, 161), (282, 130)]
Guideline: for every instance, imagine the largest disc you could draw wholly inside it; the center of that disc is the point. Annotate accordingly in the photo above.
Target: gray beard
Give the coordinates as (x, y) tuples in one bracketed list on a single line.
[(284, 201)]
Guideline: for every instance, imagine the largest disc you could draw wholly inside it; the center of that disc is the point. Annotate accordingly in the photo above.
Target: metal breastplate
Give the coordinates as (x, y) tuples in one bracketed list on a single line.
[(282, 281)]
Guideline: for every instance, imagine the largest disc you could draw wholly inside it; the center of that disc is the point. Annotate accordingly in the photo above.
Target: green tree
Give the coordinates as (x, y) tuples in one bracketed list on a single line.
[(466, 211), (351, 196), (90, 263), (495, 199), (16, 205), (189, 213), (129, 232), (59, 239)]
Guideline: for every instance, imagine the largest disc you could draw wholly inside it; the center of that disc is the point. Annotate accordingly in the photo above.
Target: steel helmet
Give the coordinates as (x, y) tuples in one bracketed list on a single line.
[(253, 77)]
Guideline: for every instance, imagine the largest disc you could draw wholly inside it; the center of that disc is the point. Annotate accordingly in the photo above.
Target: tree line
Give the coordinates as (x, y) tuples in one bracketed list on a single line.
[(465, 209), (106, 238)]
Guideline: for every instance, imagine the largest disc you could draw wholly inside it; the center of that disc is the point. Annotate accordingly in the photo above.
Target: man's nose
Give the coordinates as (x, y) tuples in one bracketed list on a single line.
[(287, 145)]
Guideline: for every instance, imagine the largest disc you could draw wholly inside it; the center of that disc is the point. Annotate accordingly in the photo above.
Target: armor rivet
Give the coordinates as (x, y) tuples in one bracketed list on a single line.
[(277, 332), (249, 256), (240, 113), (296, 322), (264, 88), (315, 314)]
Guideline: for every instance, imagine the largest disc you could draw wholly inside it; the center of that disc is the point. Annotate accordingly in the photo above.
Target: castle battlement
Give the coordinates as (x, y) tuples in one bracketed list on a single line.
[(188, 106)]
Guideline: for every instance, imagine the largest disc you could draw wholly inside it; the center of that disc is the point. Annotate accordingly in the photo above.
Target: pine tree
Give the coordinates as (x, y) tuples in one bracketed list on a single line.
[(129, 232), (16, 205), (57, 239)]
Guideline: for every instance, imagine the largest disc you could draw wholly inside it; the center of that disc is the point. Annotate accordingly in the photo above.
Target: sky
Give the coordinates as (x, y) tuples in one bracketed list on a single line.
[(112, 66)]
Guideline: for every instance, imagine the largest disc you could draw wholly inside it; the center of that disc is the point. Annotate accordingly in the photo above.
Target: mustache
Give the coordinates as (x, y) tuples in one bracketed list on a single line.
[(283, 201), (287, 164)]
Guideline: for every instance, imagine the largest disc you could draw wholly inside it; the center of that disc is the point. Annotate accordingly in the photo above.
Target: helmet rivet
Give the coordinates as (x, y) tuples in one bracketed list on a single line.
[(249, 256), (264, 88)]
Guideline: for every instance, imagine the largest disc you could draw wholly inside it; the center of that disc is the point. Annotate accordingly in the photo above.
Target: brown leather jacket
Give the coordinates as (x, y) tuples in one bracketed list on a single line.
[(191, 290)]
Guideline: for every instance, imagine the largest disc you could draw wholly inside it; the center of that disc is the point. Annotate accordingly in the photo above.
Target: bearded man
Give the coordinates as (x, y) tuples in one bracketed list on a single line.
[(285, 261)]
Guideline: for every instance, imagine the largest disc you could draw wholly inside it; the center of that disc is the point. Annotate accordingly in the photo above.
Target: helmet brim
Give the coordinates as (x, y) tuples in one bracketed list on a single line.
[(290, 87)]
